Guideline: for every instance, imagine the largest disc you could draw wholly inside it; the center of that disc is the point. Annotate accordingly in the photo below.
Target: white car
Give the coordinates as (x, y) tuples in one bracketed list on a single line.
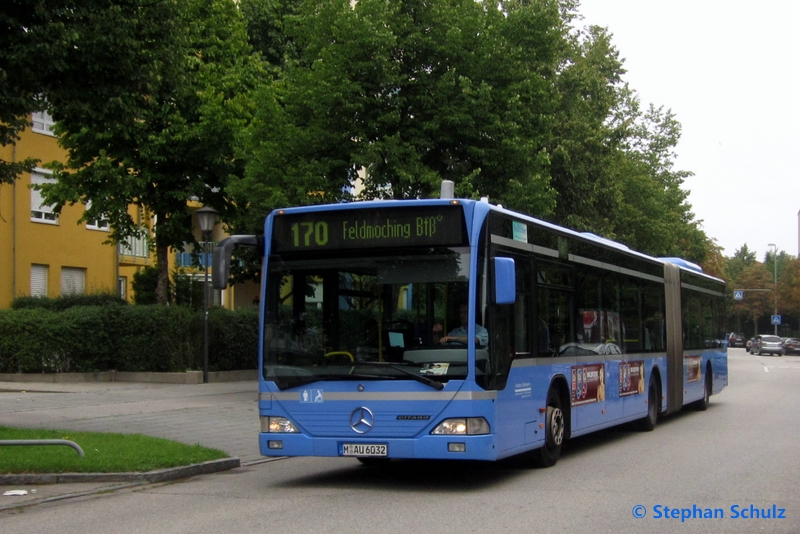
[(764, 343), (588, 349)]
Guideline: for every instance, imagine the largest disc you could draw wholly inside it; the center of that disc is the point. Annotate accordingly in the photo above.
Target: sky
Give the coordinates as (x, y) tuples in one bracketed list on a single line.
[(729, 71)]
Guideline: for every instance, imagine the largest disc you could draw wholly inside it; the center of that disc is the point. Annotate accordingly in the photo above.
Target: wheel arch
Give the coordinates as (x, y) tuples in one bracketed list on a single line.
[(655, 374)]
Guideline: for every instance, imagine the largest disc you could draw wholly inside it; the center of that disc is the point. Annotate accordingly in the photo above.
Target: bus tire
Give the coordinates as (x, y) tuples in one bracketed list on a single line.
[(648, 422), (555, 430), (708, 384)]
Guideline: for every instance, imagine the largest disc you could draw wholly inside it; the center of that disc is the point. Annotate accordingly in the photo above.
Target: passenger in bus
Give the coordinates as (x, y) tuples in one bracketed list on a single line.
[(460, 333)]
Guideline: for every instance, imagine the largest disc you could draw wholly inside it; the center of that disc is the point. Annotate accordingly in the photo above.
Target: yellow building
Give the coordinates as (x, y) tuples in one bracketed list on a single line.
[(44, 254), (41, 253)]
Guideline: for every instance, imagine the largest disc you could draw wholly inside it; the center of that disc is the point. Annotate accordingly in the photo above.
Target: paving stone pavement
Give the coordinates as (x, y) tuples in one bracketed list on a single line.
[(219, 415)]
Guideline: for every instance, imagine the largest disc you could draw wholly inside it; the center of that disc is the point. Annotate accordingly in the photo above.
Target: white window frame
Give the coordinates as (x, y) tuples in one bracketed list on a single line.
[(42, 122), (122, 287), (40, 212), (97, 224), (39, 274), (73, 281), (138, 247)]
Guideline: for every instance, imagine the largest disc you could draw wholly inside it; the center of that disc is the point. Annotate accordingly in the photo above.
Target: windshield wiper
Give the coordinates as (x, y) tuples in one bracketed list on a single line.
[(286, 382), (435, 384)]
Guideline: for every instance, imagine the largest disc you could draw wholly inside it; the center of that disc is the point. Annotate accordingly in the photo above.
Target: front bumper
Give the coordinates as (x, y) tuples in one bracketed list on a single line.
[(482, 447)]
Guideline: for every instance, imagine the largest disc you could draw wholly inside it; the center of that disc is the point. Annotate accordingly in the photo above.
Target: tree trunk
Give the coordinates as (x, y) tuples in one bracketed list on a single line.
[(162, 262)]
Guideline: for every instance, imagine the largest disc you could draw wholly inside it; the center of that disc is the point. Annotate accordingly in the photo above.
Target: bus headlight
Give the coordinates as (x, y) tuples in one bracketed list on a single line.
[(277, 424), (462, 426)]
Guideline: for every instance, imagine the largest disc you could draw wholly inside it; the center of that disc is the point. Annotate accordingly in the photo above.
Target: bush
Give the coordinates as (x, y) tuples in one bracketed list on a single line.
[(67, 301), (144, 286), (158, 339), (126, 338), (29, 341), (233, 339)]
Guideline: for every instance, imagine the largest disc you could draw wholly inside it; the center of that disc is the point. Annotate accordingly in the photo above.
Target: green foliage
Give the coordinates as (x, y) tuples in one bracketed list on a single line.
[(509, 100), (187, 290), (67, 301), (233, 339), (159, 339), (144, 286), (125, 338), (252, 105), (173, 78)]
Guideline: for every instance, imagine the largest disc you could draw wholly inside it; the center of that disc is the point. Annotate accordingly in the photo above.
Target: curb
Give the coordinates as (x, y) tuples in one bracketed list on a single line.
[(149, 477)]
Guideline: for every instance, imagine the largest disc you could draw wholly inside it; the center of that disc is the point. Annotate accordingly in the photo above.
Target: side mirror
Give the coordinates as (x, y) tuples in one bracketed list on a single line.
[(221, 260), (505, 281)]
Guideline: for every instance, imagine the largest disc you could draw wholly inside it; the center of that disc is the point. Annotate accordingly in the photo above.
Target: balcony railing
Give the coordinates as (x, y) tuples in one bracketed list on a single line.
[(185, 258)]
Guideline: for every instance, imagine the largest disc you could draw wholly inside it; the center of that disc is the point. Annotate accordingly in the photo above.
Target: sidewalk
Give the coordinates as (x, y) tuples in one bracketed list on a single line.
[(219, 415)]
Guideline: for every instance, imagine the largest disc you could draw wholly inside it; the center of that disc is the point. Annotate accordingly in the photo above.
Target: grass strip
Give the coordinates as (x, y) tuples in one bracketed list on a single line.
[(105, 453)]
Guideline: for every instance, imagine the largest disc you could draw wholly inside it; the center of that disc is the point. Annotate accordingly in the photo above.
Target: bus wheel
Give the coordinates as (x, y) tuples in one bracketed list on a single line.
[(648, 422), (702, 404), (555, 430)]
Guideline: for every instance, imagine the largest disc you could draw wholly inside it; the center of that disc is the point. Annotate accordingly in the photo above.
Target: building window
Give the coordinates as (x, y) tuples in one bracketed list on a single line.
[(96, 224), (39, 211), (135, 246), (39, 280), (185, 258), (73, 281), (42, 123), (122, 287)]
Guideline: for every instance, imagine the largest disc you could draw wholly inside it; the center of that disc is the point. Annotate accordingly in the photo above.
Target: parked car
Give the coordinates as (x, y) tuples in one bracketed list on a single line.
[(791, 346), (766, 343), (588, 349), (737, 340)]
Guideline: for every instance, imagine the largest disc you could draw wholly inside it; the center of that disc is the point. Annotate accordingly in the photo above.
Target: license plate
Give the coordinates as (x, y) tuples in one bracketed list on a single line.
[(364, 449)]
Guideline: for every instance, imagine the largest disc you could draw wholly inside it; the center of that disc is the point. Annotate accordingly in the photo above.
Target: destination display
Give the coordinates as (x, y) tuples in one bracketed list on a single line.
[(369, 228)]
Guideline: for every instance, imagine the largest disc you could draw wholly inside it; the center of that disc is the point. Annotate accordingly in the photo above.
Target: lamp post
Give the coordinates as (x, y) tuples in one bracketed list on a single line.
[(206, 217), (775, 273)]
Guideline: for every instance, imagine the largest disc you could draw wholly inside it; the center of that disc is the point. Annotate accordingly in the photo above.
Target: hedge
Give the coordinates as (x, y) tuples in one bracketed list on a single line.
[(125, 338)]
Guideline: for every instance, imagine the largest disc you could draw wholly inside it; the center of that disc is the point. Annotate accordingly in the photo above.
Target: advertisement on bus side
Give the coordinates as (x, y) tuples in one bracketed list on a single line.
[(588, 384), (631, 378)]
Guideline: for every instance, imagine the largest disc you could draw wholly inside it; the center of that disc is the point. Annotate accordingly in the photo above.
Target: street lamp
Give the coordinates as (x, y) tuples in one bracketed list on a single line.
[(206, 217), (775, 273)]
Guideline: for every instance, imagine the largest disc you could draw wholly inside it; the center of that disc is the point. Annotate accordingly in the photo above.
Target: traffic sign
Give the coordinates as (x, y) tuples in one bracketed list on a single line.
[(738, 295), (776, 319)]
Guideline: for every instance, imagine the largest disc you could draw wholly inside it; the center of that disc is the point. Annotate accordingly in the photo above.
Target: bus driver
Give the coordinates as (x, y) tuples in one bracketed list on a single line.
[(460, 333)]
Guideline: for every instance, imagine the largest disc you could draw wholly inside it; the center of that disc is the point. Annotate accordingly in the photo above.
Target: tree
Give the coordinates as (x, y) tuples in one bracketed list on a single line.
[(740, 260), (34, 38), (657, 218), (715, 263), (789, 288), (412, 93), (755, 303), (506, 99), (164, 139), (586, 148), (266, 27)]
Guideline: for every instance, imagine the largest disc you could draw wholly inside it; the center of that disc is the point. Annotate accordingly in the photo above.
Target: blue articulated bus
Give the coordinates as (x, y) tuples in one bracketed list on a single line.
[(456, 329)]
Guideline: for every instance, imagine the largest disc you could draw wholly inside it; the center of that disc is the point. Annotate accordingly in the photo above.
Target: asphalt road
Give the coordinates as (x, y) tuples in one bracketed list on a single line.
[(734, 461)]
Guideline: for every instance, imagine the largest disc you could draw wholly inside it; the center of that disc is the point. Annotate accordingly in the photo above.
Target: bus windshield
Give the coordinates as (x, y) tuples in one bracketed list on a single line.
[(366, 315)]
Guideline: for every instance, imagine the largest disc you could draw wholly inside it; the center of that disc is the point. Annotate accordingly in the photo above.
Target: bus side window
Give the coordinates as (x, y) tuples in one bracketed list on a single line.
[(523, 308)]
